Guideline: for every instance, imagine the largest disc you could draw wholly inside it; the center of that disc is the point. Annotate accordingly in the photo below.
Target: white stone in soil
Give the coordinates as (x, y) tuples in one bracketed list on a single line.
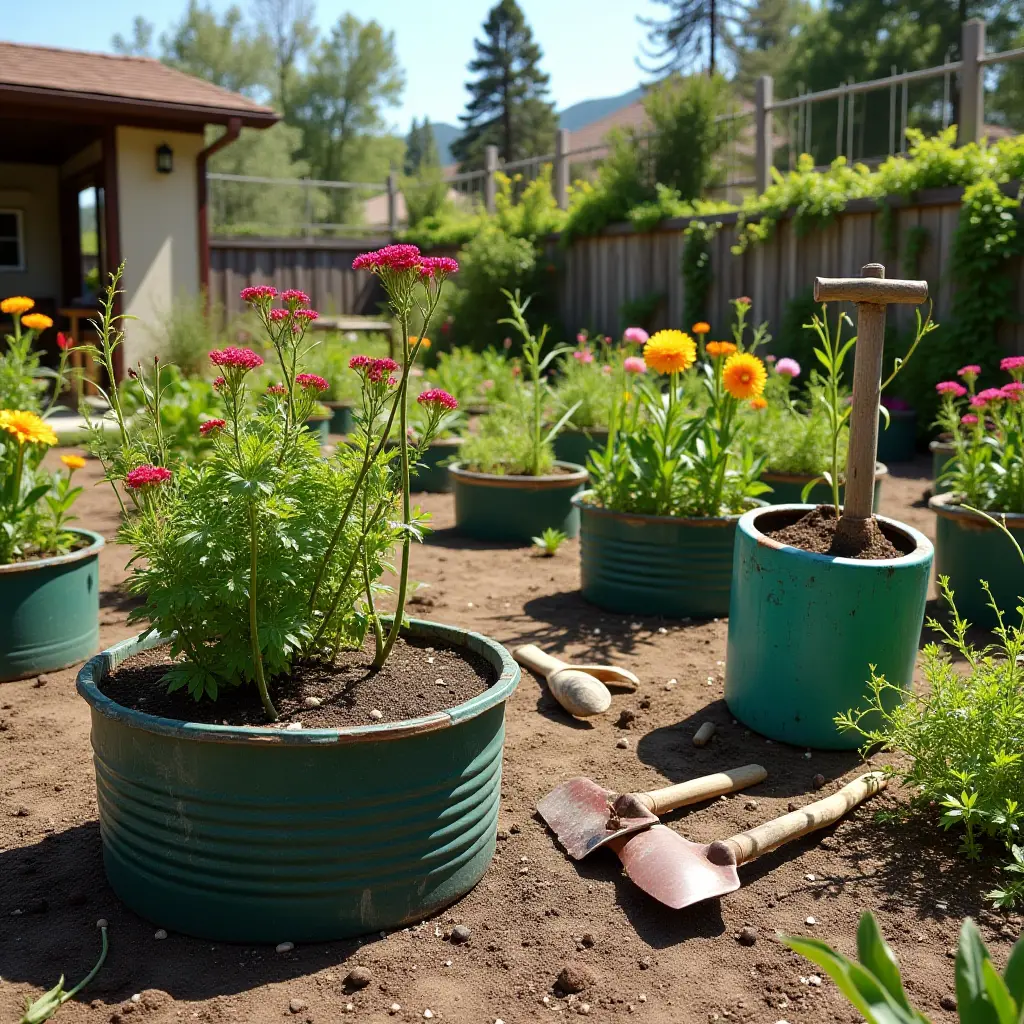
[(160, 933), (285, 947), (293, 726), (811, 921), (376, 714)]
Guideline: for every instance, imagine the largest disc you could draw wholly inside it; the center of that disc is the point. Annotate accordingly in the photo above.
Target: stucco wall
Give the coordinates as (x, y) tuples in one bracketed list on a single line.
[(32, 189), (159, 231)]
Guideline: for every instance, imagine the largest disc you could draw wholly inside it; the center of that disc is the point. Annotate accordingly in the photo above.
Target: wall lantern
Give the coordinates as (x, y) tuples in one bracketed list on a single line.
[(164, 159)]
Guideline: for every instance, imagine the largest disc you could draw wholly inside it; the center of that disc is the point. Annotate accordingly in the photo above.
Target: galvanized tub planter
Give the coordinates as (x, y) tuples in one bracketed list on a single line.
[(969, 549), (655, 565), (942, 452), (897, 442), (321, 426), (516, 508), (342, 420), (787, 488), (805, 628), (246, 834), (50, 610), (576, 445)]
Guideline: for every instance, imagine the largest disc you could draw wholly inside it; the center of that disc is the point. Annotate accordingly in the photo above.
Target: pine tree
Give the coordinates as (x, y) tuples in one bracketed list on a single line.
[(691, 28), (420, 148), (508, 105)]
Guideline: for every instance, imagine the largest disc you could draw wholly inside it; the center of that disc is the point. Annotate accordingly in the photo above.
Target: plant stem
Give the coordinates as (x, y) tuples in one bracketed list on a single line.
[(257, 654)]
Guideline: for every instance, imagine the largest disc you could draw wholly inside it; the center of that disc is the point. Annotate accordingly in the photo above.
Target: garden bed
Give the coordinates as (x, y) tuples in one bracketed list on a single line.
[(535, 911)]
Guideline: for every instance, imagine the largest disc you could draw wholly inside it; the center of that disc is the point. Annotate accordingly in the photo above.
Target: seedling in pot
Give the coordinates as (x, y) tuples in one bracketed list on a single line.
[(550, 541)]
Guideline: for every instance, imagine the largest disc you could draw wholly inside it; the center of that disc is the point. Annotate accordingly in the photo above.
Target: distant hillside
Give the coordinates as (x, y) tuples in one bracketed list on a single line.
[(572, 119)]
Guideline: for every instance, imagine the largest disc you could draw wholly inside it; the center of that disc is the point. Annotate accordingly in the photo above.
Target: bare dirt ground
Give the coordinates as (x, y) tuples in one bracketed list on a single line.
[(535, 911)]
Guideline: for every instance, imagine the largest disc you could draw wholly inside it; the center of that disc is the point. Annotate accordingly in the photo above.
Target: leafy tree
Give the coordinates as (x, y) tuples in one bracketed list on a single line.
[(290, 24), (420, 147), (763, 41), (140, 43), (508, 105), (679, 41)]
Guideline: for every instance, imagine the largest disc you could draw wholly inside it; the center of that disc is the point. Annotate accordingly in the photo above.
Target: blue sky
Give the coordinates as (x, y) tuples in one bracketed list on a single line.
[(589, 46)]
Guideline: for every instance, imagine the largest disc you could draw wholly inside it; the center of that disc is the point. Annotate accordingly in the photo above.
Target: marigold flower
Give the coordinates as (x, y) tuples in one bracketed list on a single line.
[(64, 341), (16, 304), (634, 364), (391, 257), (209, 426), (438, 266), (438, 396), (276, 389), (969, 372), (276, 315), (788, 367), (701, 327), (73, 462), (27, 427), (236, 358), (759, 403), (583, 355), (424, 342), (147, 476), (744, 376), (968, 419), (636, 335), (670, 351), (306, 314), (257, 293), (951, 387), (717, 349), (36, 321), (296, 296), (311, 381)]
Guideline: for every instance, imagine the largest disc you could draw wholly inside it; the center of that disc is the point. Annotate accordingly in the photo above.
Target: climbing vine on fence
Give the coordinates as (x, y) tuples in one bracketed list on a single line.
[(696, 269)]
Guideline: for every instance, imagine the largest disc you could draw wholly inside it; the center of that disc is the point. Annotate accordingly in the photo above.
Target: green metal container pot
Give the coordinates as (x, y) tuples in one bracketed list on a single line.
[(898, 441), (804, 629), (942, 451), (50, 610), (576, 445), (655, 565), (342, 418), (969, 549), (516, 508), (431, 474), (320, 425), (787, 488), (242, 834)]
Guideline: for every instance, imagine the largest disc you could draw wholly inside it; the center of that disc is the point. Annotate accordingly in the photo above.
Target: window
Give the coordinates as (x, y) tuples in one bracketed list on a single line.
[(12, 244)]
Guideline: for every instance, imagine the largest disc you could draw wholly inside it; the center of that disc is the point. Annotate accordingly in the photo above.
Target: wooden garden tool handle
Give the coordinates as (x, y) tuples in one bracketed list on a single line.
[(580, 693), (746, 846), (532, 657), (659, 801), (610, 674)]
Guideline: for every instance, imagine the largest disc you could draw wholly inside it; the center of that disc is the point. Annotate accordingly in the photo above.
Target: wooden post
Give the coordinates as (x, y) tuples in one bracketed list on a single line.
[(872, 293), (562, 168), (490, 184), (763, 99), (392, 203), (972, 82)]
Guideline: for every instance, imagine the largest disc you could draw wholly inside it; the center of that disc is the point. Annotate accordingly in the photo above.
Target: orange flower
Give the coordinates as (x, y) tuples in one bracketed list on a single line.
[(36, 321), (27, 427), (744, 376), (16, 304), (715, 349), (701, 327), (670, 351), (425, 342), (73, 462), (759, 403)]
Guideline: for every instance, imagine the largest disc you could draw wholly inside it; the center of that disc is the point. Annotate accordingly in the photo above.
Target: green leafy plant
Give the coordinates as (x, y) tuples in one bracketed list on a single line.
[(587, 382), (696, 268), (641, 310), (550, 541), (23, 378), (475, 378), (873, 985), (43, 1008)]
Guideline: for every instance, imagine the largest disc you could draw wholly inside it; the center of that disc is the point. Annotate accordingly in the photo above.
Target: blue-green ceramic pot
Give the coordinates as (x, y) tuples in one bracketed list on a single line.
[(576, 445), (243, 834), (321, 426), (431, 474)]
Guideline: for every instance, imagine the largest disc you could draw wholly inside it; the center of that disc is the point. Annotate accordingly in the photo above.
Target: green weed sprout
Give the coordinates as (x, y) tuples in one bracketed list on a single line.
[(550, 541), (50, 1002)]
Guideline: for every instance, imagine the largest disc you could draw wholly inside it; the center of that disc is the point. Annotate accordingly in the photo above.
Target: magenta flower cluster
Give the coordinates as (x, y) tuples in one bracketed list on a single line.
[(235, 358), (147, 476), (311, 381), (951, 387), (209, 426), (375, 369), (258, 293), (397, 258), (438, 396)]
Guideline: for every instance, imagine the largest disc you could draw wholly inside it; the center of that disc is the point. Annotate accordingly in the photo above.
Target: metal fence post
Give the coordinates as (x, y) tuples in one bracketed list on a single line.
[(491, 168), (763, 99), (562, 168), (392, 202), (972, 81)]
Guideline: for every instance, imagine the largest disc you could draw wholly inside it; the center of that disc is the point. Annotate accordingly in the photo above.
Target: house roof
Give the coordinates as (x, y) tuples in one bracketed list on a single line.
[(126, 89)]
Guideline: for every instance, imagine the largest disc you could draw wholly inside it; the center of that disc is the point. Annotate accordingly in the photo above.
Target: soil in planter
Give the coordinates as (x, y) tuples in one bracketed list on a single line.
[(555, 470), (421, 676), (816, 532)]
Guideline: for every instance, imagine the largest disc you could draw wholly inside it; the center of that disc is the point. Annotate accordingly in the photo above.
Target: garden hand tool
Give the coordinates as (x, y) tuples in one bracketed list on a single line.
[(584, 816), (579, 689), (679, 873)]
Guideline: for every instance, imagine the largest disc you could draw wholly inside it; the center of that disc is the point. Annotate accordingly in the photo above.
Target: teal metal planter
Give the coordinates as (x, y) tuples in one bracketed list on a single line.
[(787, 488), (898, 441), (576, 445), (655, 565), (321, 426), (516, 508), (342, 420), (969, 549), (431, 474), (50, 611), (804, 629), (242, 834), (942, 452)]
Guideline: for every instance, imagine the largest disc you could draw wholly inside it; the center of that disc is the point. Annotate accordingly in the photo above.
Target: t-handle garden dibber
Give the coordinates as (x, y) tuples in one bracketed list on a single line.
[(872, 293)]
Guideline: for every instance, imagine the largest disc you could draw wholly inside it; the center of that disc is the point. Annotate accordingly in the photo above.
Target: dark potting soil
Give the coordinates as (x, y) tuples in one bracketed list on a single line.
[(421, 676), (817, 532)]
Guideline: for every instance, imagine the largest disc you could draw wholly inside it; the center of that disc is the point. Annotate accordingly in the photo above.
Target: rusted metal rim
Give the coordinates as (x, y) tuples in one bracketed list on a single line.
[(921, 554), (522, 483), (948, 506), (96, 542), (881, 471), (106, 661), (584, 502)]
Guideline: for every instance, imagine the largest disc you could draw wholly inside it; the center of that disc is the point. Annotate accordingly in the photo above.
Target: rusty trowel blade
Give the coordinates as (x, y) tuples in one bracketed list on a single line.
[(585, 816), (673, 870)]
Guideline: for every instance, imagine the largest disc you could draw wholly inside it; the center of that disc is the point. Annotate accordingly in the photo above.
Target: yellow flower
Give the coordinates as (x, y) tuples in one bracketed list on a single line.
[(425, 342), (744, 375), (701, 327), (27, 427), (73, 461), (670, 351), (16, 304), (759, 403), (36, 321), (719, 348)]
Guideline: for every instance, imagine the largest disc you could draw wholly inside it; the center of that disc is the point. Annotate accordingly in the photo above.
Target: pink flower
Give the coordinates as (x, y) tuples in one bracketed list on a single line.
[(147, 476), (218, 383), (306, 314), (257, 293), (788, 367), (486, 385), (277, 315), (437, 396), (743, 300), (990, 395), (64, 341), (951, 387), (606, 370), (581, 338), (583, 355), (770, 359), (1014, 391), (636, 335), (1011, 363), (969, 372), (438, 266), (276, 389), (377, 369), (391, 257), (311, 381), (235, 358), (210, 426), (296, 296), (506, 344), (358, 362), (969, 419), (634, 364)]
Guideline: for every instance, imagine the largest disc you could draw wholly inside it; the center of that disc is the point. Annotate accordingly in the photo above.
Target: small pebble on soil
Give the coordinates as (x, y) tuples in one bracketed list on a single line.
[(376, 714), (297, 1005), (819, 781), (285, 947), (574, 978), (460, 934), (622, 743), (747, 936), (357, 978)]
